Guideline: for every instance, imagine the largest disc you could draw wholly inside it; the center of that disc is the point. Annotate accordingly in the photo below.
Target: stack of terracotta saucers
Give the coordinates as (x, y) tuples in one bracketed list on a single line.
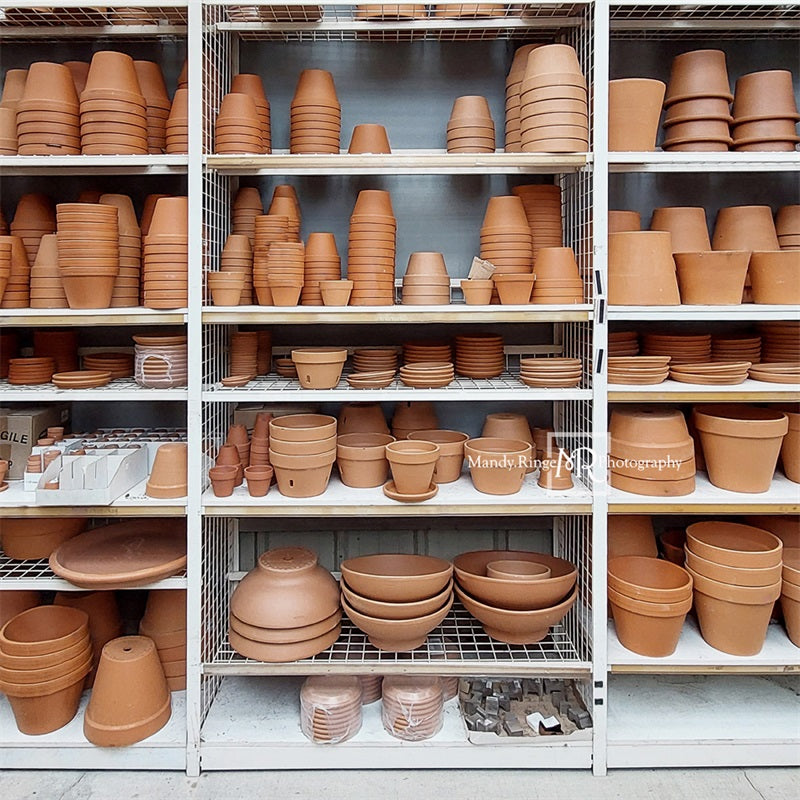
[(698, 102), (177, 128), (238, 125), (81, 379), (322, 263), (286, 368), (372, 247), (88, 253), (285, 609), (651, 452), (423, 350), (285, 270), (127, 285), (682, 348), (166, 255), (302, 450), (120, 365), (34, 216), (776, 372), (375, 379), (736, 348), (46, 288), (480, 355), (427, 374), (554, 114), (506, 239), (316, 116), (558, 279), (377, 359), (470, 128), (48, 121), (780, 341), (787, 226), (164, 622), (237, 256), (555, 373), (17, 290), (113, 110), (160, 361), (250, 84), (330, 708), (370, 688), (513, 142), (542, 204), (426, 281), (30, 371), (638, 370), (412, 706), (623, 343), (243, 353), (268, 230), (154, 91), (716, 374), (765, 112)]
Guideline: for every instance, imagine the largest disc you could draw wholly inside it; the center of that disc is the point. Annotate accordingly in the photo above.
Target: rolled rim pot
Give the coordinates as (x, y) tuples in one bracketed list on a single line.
[(497, 466), (650, 580), (302, 427), (380, 609), (736, 576), (507, 569), (43, 630), (733, 544), (396, 578)]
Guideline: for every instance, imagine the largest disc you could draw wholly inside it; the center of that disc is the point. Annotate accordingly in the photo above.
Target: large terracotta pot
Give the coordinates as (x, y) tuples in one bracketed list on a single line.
[(775, 276), (734, 545), (641, 270), (686, 225), (741, 445), (631, 535), (790, 449), (634, 108), (713, 277)]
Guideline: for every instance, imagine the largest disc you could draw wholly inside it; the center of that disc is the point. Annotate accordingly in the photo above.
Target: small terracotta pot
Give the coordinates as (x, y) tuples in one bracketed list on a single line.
[(223, 479), (622, 221), (258, 480), (451, 452), (634, 109), (497, 466), (336, 292), (713, 277), (168, 478), (513, 289), (477, 292), (775, 277), (687, 227), (361, 459), (369, 139), (412, 464)]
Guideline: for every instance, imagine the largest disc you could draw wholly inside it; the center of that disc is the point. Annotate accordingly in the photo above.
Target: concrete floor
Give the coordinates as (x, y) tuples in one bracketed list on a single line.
[(707, 784)]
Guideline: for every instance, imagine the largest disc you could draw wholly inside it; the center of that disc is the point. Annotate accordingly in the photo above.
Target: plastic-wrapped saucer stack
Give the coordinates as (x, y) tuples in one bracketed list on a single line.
[(371, 688), (412, 706), (160, 361), (330, 708)]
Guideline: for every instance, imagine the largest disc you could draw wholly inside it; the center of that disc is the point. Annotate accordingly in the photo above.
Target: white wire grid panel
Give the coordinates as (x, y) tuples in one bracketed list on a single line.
[(220, 57), (577, 197), (343, 21)]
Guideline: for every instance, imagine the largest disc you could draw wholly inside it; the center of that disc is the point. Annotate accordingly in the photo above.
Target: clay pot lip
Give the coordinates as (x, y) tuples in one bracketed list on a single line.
[(395, 569), (354, 444), (47, 688), (747, 422), (410, 610), (494, 444), (764, 576), (439, 436), (404, 451), (672, 585), (433, 619), (563, 604), (648, 609), (701, 536), (741, 595), (76, 620), (523, 571)]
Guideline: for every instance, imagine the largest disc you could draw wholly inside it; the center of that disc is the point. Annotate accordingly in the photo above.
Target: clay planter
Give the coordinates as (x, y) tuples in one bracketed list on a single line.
[(27, 538), (698, 73), (714, 277), (497, 466), (790, 450), (513, 289), (733, 619), (43, 630), (631, 535), (397, 578), (451, 452), (13, 602), (650, 580), (302, 476), (775, 276), (302, 427), (687, 226), (790, 605), (361, 459), (412, 464), (258, 480), (91, 290), (517, 570), (336, 293), (168, 478), (369, 139), (736, 576), (477, 292), (223, 479), (745, 228), (641, 269), (741, 445), (320, 367), (397, 611), (734, 545), (634, 109), (115, 716), (765, 95)]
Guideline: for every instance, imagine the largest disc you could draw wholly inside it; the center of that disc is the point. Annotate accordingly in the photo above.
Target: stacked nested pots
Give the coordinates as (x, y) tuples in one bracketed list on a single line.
[(787, 227), (154, 91), (45, 656), (177, 128), (238, 128), (285, 268), (765, 112), (698, 101), (330, 708), (790, 593), (649, 600), (542, 204), (516, 73), (372, 247), (316, 116), (322, 264), (302, 449), (737, 579), (237, 256), (426, 281), (470, 128), (515, 603), (126, 286), (397, 600), (506, 239), (247, 83), (268, 229), (166, 255), (285, 609), (164, 622), (34, 217), (558, 278), (412, 706)]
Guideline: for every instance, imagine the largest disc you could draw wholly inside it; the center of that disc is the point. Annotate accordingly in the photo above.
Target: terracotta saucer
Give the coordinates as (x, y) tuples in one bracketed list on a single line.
[(390, 490), (237, 380), (82, 379), (708, 380), (3, 486)]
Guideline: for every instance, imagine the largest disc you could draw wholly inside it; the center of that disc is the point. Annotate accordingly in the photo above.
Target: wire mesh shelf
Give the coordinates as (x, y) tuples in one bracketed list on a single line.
[(117, 389)]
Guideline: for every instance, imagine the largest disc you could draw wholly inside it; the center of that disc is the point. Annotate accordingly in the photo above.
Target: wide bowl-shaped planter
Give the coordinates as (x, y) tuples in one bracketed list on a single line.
[(283, 652), (43, 630), (451, 452), (733, 619), (731, 544), (712, 278), (412, 464), (497, 466), (287, 589), (26, 538), (396, 611), (651, 580), (516, 627), (397, 636), (395, 577), (741, 445), (361, 459), (302, 476), (470, 569), (319, 367), (634, 109), (648, 628), (775, 277)]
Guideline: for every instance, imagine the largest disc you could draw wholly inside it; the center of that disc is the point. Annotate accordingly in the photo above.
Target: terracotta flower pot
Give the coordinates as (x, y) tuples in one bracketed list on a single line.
[(631, 535), (302, 476), (258, 480), (734, 545), (790, 449), (477, 292), (361, 459), (741, 445), (336, 292), (634, 109), (698, 73), (412, 464), (513, 289), (13, 602), (713, 277), (672, 542), (622, 221), (43, 630), (555, 472), (497, 466), (641, 269), (687, 227), (745, 228), (369, 139), (223, 479), (168, 478), (765, 94), (451, 452), (651, 580), (28, 539), (319, 368), (790, 605), (775, 277)]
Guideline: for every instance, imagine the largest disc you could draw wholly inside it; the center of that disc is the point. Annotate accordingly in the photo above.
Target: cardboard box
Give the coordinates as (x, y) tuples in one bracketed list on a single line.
[(20, 428)]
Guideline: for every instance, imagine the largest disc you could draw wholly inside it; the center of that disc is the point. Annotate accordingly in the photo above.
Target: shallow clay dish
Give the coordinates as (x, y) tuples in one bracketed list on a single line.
[(390, 490), (281, 653), (396, 577)]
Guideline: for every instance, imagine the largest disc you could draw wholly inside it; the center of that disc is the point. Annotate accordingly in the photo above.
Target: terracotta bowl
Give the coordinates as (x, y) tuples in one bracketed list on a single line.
[(517, 570), (396, 578), (397, 611)]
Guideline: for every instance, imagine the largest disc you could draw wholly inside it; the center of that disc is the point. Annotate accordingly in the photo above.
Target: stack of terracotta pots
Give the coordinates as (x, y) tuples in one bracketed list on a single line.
[(8, 131), (638, 370), (285, 609), (17, 284), (247, 206), (369, 138), (741, 444), (316, 116), (787, 226), (88, 253), (506, 239), (425, 350), (46, 288), (268, 230), (641, 269), (372, 247), (682, 348), (651, 452), (177, 128), (237, 256), (558, 279), (396, 600), (48, 121), (522, 606), (319, 367), (246, 83), (634, 109), (13, 88), (698, 103), (30, 371), (243, 353), (113, 110), (412, 706), (166, 255), (330, 708), (765, 112), (45, 656), (649, 600), (34, 217), (302, 450), (542, 204), (285, 268), (126, 287), (554, 115), (736, 348), (117, 715), (322, 263), (164, 622), (154, 91), (790, 593), (426, 281), (737, 579), (480, 355), (238, 126), (412, 463), (470, 128), (516, 73), (286, 203)]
